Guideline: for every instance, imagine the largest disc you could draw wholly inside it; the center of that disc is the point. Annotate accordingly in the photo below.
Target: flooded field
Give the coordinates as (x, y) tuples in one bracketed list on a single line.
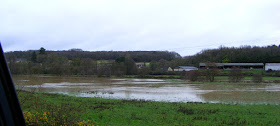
[(152, 89)]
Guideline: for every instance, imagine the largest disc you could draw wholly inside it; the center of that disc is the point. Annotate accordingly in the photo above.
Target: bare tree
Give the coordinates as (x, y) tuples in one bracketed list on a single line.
[(235, 75), (193, 75), (211, 71), (257, 78), (131, 68), (143, 71)]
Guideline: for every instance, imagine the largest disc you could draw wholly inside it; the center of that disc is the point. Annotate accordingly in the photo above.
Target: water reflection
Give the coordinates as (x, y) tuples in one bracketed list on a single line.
[(127, 94), (151, 89)]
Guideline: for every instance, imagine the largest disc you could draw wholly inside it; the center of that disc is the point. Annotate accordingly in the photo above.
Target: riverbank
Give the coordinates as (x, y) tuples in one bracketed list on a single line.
[(70, 110)]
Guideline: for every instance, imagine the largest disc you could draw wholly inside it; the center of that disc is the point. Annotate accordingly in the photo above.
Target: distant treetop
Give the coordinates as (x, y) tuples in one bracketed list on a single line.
[(76, 50), (242, 54), (42, 51), (137, 56)]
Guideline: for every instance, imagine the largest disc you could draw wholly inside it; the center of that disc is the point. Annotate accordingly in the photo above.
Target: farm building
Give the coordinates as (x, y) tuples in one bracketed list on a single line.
[(169, 69), (185, 68), (272, 66), (229, 66), (140, 65)]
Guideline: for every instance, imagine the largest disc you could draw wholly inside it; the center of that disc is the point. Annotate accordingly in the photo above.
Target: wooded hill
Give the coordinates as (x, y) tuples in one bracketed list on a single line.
[(137, 56), (78, 62), (242, 54)]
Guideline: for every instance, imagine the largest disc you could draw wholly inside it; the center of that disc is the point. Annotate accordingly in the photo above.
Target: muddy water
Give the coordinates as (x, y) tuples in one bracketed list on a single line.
[(151, 89)]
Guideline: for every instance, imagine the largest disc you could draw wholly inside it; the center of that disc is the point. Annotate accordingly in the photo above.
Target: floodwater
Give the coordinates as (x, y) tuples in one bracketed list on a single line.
[(152, 89)]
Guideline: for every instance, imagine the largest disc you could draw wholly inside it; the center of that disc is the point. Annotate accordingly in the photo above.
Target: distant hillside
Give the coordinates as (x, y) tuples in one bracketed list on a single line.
[(243, 54), (137, 56)]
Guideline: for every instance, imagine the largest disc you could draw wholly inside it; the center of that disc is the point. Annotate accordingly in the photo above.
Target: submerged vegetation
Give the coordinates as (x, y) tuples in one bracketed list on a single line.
[(43, 108)]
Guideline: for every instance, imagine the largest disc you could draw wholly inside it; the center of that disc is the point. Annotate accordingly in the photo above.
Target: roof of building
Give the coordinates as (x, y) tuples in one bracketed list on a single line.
[(272, 64), (187, 67), (234, 64)]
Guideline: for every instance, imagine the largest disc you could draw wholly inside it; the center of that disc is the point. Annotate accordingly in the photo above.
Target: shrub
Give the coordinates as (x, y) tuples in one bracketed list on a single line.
[(257, 78), (211, 71), (39, 111), (235, 75), (193, 75), (47, 118)]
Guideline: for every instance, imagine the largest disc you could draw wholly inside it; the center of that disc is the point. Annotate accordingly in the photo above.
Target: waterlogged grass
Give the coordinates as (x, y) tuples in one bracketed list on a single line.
[(155, 76), (248, 78), (176, 81), (97, 111)]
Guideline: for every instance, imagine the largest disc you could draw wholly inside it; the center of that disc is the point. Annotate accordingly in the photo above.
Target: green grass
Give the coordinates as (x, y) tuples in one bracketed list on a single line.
[(138, 112), (104, 61), (146, 63), (175, 81), (221, 77), (226, 77), (249, 78), (271, 78), (247, 71)]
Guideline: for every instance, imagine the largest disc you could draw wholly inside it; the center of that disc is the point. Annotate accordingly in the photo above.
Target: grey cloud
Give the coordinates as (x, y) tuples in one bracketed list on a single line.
[(182, 26)]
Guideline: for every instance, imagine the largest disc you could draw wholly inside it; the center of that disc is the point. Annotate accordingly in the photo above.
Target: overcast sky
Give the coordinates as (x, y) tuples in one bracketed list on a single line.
[(183, 26)]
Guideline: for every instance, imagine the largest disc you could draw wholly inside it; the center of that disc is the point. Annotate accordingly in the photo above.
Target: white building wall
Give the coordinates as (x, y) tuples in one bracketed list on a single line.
[(272, 66)]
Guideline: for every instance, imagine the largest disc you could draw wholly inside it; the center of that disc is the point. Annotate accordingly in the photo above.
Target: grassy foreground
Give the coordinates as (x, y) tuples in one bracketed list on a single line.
[(56, 109)]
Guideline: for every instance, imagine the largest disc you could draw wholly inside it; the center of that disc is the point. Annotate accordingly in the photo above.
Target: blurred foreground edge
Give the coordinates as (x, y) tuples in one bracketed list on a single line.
[(10, 111)]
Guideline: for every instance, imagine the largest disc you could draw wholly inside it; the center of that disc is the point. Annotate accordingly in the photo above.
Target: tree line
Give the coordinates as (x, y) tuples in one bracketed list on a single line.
[(235, 75), (137, 56), (77, 62), (242, 54)]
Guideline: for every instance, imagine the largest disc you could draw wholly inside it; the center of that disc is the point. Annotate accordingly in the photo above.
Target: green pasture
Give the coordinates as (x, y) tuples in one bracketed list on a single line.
[(71, 110)]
